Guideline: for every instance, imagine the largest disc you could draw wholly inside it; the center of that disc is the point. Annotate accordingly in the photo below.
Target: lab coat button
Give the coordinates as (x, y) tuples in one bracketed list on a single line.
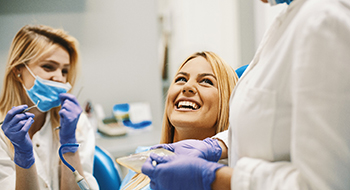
[(38, 145)]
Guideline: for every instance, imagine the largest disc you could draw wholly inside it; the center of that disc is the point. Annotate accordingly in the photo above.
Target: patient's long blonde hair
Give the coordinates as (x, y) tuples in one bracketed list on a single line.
[(31, 43), (227, 79)]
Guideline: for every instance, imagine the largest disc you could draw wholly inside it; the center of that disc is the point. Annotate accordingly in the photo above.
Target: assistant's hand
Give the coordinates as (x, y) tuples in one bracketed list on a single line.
[(15, 127), (208, 148), (180, 172), (69, 113)]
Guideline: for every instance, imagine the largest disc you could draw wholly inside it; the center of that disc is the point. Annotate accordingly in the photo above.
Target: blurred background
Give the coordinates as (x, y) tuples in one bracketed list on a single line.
[(131, 49)]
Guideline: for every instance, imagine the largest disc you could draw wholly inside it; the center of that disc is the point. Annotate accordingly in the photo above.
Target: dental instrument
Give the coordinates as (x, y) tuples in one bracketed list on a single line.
[(27, 109)]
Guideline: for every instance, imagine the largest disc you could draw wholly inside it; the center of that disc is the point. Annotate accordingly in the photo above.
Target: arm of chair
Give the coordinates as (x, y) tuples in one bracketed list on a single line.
[(241, 70)]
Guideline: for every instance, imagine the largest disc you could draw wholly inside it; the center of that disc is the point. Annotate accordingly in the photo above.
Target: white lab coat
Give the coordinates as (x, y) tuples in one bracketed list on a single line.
[(47, 159), (290, 111)]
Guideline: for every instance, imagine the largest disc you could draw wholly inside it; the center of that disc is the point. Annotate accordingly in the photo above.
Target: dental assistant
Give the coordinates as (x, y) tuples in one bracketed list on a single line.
[(42, 67), (289, 113)]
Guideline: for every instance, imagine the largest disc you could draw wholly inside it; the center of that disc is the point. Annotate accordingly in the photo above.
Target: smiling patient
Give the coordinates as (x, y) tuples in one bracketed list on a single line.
[(196, 106)]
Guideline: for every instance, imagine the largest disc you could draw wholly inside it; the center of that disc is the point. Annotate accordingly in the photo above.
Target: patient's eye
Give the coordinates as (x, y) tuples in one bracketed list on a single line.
[(208, 81), (180, 79)]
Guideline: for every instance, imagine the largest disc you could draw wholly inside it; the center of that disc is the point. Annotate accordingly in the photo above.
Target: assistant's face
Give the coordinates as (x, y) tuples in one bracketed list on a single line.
[(55, 66), (193, 97)]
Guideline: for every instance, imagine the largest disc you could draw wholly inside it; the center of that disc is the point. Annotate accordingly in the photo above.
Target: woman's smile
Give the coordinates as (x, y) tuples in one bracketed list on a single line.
[(194, 96)]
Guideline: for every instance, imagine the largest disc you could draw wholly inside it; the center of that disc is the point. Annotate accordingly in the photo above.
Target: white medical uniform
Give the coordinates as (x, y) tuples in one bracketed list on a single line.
[(290, 111), (47, 158)]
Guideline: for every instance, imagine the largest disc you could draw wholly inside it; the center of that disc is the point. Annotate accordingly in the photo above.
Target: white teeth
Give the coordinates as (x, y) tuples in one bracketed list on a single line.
[(187, 104)]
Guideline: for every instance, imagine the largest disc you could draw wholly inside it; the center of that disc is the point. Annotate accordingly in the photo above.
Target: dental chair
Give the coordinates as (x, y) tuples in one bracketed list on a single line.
[(241, 70), (105, 170)]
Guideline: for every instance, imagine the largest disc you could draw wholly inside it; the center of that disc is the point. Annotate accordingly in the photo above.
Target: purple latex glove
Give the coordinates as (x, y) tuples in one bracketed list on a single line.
[(15, 127), (208, 148), (69, 113), (180, 172)]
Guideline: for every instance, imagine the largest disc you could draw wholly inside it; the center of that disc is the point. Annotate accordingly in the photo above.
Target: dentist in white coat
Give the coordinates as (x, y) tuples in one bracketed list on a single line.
[(289, 113)]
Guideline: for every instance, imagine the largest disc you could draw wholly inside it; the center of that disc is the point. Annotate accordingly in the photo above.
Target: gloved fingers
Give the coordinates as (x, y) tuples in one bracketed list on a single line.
[(156, 146), (15, 127), (17, 118), (161, 159), (17, 122), (67, 121), (148, 168), (152, 184), (70, 105), (63, 113), (70, 108), (20, 130), (67, 105), (27, 125), (190, 145), (215, 150), (69, 113), (13, 112), (17, 109), (28, 115), (169, 147), (152, 161), (67, 96), (68, 117)]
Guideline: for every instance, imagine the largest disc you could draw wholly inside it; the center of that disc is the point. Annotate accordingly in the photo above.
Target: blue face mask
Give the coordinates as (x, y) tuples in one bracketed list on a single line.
[(275, 2), (46, 92)]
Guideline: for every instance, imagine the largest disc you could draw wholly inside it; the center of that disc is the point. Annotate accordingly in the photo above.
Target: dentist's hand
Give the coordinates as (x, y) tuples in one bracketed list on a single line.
[(15, 127), (208, 148), (180, 172), (69, 113)]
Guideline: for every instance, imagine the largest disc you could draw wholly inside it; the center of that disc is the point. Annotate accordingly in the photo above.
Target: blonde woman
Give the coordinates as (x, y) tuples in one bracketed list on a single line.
[(41, 69), (196, 106)]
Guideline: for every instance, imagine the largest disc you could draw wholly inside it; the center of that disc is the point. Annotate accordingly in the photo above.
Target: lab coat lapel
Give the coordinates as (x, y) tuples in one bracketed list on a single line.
[(43, 147)]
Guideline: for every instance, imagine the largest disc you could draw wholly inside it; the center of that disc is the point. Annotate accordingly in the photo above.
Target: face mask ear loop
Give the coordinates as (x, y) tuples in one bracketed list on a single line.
[(30, 73), (29, 70)]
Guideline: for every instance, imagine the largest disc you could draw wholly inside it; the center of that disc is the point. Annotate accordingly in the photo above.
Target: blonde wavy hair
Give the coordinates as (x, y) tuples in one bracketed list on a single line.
[(226, 78), (30, 44)]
